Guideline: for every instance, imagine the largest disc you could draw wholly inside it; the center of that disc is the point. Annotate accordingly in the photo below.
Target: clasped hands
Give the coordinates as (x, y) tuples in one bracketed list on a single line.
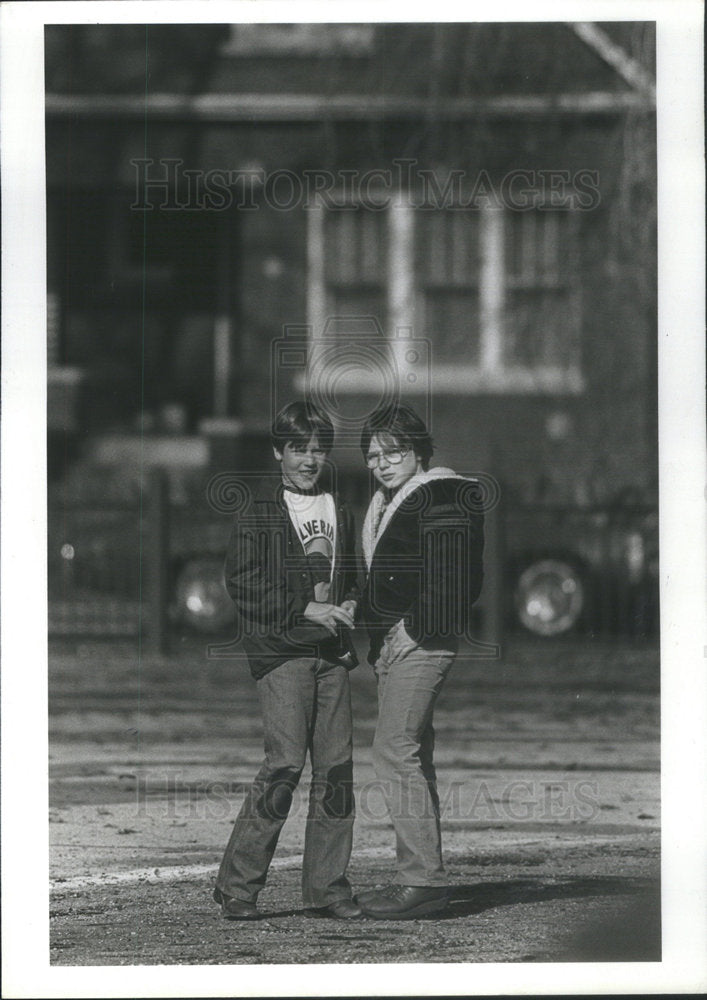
[(331, 615)]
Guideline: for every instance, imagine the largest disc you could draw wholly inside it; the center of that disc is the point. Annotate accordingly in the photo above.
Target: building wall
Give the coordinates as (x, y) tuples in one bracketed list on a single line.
[(573, 447), (148, 332)]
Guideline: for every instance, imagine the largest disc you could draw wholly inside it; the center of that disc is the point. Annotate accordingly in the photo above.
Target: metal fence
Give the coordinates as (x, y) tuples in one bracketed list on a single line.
[(120, 544), (102, 572)]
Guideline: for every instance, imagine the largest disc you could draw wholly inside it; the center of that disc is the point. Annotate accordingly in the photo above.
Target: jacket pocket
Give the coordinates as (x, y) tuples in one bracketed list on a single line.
[(397, 642)]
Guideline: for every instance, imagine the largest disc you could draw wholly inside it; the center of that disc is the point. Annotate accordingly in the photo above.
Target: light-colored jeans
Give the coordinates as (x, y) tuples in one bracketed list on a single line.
[(306, 706), (409, 681)]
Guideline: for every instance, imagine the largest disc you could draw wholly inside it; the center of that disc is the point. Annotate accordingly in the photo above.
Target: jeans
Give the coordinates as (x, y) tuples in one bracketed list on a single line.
[(306, 706), (409, 681)]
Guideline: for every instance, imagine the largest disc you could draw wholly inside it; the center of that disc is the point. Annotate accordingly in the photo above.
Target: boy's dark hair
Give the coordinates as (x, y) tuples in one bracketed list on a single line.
[(403, 426), (297, 422)]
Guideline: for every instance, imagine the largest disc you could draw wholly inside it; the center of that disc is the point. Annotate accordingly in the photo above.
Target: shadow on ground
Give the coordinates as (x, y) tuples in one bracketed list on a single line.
[(631, 933), (470, 899)]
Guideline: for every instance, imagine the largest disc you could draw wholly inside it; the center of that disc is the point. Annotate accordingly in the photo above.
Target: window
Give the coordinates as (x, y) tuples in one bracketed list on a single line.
[(541, 304), (355, 260), (494, 291), (299, 39), (447, 266)]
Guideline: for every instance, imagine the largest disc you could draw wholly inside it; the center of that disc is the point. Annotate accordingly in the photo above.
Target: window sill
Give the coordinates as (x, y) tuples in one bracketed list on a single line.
[(463, 378), (467, 380)]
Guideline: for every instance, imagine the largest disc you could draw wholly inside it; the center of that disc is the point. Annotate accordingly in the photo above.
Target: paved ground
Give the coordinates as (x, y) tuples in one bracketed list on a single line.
[(548, 769)]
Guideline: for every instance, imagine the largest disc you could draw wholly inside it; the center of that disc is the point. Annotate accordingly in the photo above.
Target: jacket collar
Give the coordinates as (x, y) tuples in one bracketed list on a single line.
[(380, 498)]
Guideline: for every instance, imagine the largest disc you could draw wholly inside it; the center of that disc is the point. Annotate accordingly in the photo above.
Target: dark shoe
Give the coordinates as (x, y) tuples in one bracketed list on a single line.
[(366, 894), (235, 909), (342, 909), (405, 902)]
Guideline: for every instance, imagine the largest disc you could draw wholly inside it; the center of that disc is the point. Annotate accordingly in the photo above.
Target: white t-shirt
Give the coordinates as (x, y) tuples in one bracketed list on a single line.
[(314, 520)]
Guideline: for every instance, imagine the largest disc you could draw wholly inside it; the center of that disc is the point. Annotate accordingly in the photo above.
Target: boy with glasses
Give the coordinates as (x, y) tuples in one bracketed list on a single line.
[(423, 544)]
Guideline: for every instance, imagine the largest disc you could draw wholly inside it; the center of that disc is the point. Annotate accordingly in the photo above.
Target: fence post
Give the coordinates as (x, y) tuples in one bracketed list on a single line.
[(157, 559), (493, 578)]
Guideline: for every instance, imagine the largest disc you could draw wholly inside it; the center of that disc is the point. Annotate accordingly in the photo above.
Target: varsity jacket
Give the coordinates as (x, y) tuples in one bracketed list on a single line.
[(423, 550), (270, 581)]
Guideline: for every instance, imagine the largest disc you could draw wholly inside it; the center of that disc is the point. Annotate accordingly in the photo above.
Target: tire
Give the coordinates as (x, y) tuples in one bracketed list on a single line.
[(201, 598), (549, 597)]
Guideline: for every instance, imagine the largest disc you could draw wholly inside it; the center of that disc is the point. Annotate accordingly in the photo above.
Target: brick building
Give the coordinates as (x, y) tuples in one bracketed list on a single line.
[(488, 188), (463, 214)]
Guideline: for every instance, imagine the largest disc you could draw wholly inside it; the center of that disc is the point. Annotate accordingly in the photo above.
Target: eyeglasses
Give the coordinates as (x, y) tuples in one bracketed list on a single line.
[(393, 456)]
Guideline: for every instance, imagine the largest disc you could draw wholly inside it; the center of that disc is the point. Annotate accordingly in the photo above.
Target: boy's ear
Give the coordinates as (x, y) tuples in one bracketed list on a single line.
[(277, 454)]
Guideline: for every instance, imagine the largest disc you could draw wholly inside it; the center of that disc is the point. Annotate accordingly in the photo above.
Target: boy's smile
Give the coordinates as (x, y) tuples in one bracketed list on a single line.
[(301, 464)]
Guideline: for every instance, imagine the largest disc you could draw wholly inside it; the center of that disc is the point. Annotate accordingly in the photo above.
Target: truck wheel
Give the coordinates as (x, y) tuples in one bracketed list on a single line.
[(549, 597), (201, 597)]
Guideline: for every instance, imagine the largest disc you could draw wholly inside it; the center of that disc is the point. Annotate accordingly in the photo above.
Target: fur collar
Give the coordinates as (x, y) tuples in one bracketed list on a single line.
[(368, 540)]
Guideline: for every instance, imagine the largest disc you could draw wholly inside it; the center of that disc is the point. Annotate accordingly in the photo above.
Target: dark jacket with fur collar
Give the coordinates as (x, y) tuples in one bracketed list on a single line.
[(426, 562)]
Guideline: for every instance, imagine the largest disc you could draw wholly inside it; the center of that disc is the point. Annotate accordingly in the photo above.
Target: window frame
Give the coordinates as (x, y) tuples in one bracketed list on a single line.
[(492, 374), (299, 39)]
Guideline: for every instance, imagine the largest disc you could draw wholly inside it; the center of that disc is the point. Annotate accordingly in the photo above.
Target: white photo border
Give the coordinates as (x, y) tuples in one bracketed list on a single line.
[(26, 969)]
